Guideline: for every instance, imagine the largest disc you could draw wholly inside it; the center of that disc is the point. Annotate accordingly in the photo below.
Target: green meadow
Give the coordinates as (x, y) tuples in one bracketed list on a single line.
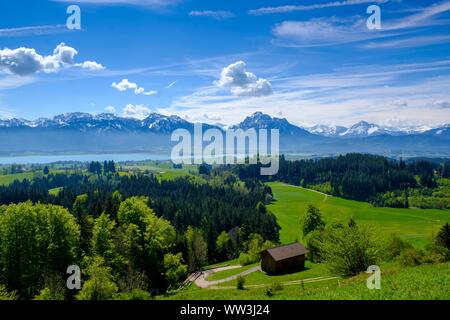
[(6, 179), (315, 282), (411, 283), (417, 226)]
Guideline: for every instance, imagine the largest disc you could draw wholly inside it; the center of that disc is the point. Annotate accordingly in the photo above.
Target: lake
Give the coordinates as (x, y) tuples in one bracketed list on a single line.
[(117, 157)]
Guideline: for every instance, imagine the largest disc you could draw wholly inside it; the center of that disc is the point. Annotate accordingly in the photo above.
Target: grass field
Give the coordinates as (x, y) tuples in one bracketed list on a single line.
[(414, 225), (6, 179), (412, 283), (261, 278), (164, 170)]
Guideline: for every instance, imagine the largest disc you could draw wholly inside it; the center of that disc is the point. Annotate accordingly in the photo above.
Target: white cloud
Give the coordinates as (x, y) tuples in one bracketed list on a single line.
[(151, 93), (110, 109), (144, 3), (138, 111), (323, 31), (90, 65), (374, 93), (333, 31), (125, 85), (292, 8), (33, 31), (425, 17), (218, 15), (442, 104), (242, 82), (26, 61)]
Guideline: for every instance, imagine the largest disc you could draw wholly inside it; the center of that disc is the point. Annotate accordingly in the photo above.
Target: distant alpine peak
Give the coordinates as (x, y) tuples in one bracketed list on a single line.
[(166, 124), (327, 131)]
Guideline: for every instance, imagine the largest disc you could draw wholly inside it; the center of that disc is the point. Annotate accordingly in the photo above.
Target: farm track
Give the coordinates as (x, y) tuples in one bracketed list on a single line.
[(199, 278)]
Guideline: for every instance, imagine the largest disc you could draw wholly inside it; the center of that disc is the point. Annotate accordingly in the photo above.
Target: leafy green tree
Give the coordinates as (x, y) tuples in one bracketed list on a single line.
[(311, 220), (85, 221), (197, 249), (103, 242), (147, 237), (134, 211), (254, 246), (350, 250), (313, 243), (176, 271), (35, 239), (223, 245), (100, 285)]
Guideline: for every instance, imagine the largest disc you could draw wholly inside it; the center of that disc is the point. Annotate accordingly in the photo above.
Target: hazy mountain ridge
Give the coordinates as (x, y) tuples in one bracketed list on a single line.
[(161, 123), (84, 132)]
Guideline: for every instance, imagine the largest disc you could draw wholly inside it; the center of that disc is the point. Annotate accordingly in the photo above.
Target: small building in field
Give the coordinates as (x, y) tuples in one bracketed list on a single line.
[(284, 259)]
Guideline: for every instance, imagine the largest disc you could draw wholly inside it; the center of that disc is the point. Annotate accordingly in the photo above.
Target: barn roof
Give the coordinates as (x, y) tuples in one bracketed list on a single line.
[(287, 251)]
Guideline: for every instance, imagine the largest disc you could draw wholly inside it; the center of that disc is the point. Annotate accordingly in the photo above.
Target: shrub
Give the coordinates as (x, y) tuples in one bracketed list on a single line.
[(395, 247), (268, 291), (436, 254), (276, 286), (254, 246), (240, 283), (313, 243), (349, 250), (443, 237), (136, 294), (5, 295), (410, 257), (176, 271)]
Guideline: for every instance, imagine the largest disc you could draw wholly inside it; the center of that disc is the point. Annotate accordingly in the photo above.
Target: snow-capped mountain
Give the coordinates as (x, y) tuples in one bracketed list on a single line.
[(102, 122), (159, 123), (326, 131), (84, 132), (443, 131), (363, 129), (259, 120)]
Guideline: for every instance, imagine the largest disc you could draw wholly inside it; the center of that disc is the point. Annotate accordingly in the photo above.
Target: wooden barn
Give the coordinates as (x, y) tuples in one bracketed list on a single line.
[(283, 259)]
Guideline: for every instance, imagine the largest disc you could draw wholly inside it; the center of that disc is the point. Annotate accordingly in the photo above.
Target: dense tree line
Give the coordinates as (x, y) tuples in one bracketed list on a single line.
[(355, 176)]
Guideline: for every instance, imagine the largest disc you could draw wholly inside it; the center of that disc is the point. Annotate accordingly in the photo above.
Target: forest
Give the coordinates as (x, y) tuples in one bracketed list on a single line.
[(376, 179), (134, 235)]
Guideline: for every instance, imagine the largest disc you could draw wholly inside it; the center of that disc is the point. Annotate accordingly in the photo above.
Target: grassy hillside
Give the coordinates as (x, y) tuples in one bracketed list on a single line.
[(6, 179), (415, 283), (415, 225)]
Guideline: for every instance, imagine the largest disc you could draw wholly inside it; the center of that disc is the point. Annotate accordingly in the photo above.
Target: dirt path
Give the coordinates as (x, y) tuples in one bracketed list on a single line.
[(324, 194), (287, 283), (201, 281)]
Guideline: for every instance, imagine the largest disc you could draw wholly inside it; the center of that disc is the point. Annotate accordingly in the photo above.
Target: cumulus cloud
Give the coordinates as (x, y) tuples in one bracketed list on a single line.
[(138, 111), (90, 65), (125, 85), (242, 82), (110, 109), (26, 61)]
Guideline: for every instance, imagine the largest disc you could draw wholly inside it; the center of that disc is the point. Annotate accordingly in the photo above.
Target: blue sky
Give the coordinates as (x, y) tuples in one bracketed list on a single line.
[(219, 61)]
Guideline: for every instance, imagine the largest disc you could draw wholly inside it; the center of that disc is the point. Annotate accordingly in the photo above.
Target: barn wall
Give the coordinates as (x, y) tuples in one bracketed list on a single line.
[(268, 264)]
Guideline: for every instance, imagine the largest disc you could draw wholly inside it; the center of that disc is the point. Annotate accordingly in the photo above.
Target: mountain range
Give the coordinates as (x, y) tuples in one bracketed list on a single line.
[(83, 132)]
